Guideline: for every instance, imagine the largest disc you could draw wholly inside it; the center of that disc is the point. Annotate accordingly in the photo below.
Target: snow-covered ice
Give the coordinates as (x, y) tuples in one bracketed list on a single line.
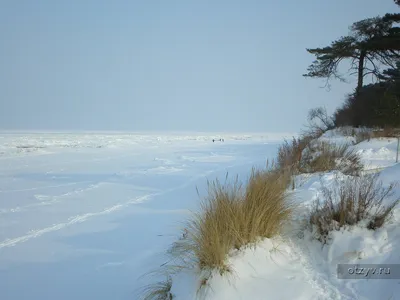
[(84, 216)]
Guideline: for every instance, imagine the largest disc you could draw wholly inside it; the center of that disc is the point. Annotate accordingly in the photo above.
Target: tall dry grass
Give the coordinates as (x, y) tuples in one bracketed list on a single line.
[(231, 217), (323, 156), (266, 205), (305, 155), (290, 154)]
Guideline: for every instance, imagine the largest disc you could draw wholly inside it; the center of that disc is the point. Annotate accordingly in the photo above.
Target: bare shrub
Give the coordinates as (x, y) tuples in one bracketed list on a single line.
[(319, 121), (350, 201)]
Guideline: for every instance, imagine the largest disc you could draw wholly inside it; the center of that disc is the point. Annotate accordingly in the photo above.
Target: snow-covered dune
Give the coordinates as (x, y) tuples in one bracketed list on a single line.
[(295, 265)]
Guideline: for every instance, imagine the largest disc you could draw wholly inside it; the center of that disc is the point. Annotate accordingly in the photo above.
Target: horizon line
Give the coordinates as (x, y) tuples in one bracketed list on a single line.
[(140, 131)]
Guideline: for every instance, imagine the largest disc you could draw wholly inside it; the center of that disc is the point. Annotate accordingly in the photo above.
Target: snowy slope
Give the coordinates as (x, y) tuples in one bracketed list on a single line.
[(376, 153), (296, 266)]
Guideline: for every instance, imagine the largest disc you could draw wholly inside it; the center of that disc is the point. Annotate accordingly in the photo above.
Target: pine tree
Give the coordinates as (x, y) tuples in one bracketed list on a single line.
[(372, 42)]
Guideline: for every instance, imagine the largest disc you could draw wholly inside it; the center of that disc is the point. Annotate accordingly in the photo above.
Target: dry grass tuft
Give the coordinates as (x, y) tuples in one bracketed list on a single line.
[(362, 135), (232, 217), (350, 201), (323, 156), (266, 205), (307, 156), (158, 291), (289, 154), (209, 235)]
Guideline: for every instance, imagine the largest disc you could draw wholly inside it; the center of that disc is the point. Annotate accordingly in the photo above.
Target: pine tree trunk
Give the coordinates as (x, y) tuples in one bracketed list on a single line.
[(360, 72)]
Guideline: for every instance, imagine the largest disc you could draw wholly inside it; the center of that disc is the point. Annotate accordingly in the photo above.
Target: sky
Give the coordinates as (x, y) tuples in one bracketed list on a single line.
[(225, 65)]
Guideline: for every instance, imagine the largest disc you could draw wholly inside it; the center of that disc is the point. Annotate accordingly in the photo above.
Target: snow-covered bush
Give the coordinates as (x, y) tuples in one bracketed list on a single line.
[(351, 200)]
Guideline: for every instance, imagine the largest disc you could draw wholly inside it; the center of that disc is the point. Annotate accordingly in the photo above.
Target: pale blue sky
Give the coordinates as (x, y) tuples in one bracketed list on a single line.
[(222, 65)]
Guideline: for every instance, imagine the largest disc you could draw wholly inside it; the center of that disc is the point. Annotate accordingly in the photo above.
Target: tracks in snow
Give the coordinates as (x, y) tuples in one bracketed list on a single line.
[(71, 221), (317, 279), (42, 187), (49, 200), (87, 216)]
